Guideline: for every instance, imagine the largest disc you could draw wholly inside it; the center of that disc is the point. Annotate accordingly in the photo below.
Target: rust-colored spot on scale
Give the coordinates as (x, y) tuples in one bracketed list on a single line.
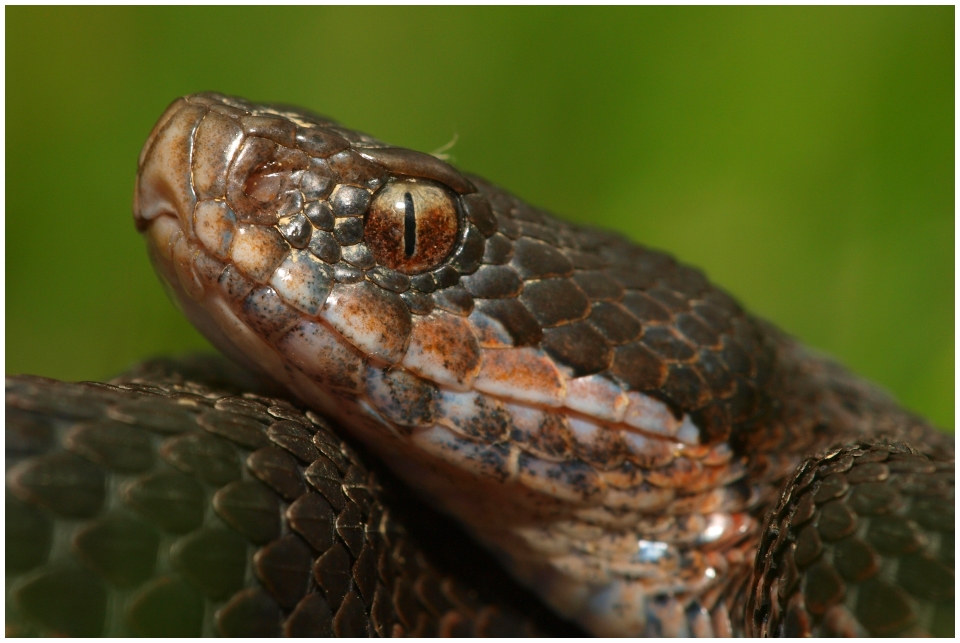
[(374, 320), (443, 349), (525, 374), (679, 474)]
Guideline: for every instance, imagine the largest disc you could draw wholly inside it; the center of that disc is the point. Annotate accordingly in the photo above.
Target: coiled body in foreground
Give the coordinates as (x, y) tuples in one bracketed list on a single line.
[(183, 499), (607, 422)]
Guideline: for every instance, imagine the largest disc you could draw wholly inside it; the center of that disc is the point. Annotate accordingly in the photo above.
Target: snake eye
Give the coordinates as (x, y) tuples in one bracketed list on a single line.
[(411, 225)]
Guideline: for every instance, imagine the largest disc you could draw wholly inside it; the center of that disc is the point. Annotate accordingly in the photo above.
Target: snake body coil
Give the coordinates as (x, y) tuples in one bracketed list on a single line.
[(607, 422), (182, 499)]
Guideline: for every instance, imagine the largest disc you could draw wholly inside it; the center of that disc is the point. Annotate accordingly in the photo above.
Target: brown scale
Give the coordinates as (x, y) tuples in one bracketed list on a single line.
[(861, 545), (629, 290), (298, 542)]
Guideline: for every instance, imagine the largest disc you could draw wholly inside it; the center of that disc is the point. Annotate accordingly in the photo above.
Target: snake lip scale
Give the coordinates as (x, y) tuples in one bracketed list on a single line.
[(632, 445)]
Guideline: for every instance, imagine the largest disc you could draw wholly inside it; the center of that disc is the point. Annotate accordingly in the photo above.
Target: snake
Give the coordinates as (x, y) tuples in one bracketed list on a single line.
[(638, 454)]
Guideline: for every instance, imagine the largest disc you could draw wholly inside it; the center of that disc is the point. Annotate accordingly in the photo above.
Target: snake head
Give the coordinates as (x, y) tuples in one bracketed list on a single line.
[(348, 269), (290, 222)]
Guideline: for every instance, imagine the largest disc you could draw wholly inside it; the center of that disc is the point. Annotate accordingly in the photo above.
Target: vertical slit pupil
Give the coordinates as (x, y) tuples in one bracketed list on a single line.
[(409, 226)]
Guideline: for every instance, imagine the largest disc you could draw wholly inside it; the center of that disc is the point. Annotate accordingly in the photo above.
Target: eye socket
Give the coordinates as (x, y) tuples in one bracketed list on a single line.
[(411, 225)]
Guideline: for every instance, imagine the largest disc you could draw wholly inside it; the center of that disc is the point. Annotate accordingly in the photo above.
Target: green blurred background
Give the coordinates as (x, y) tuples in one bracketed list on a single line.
[(804, 157)]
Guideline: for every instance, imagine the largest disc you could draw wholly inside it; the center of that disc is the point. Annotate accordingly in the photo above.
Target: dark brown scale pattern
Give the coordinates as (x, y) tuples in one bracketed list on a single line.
[(861, 543), (232, 516), (599, 304)]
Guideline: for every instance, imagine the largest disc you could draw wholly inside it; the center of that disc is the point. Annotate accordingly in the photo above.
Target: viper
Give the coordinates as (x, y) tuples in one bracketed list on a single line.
[(616, 431)]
